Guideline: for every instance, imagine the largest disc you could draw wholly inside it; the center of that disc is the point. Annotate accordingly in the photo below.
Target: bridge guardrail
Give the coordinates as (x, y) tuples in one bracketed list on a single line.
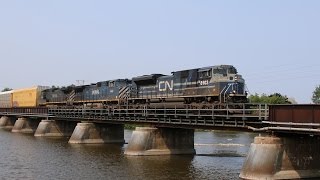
[(282, 118), (226, 115), (234, 115), (25, 110)]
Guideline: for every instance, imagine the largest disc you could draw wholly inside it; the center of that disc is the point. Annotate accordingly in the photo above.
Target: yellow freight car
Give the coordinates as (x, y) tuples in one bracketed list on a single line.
[(29, 97), (6, 99)]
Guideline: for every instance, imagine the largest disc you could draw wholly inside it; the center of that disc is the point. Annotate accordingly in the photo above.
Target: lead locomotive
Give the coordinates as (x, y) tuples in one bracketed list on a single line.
[(210, 84)]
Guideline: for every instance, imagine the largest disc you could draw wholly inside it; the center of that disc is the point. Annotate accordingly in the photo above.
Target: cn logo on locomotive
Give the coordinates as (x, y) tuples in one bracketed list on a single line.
[(95, 92), (165, 85)]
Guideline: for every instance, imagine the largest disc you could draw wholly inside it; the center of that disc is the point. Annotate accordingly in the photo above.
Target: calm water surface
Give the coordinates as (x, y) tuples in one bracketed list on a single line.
[(220, 155)]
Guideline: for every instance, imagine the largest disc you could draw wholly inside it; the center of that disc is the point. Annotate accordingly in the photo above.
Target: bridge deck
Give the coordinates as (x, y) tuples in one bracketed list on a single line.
[(235, 115), (283, 118), (170, 116)]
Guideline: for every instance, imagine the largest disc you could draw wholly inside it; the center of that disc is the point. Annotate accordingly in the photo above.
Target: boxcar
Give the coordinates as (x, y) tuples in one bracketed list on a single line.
[(6, 99), (29, 97)]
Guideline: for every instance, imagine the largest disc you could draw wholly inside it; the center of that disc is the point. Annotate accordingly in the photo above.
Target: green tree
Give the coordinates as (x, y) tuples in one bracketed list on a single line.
[(6, 89), (316, 95), (256, 98), (275, 98)]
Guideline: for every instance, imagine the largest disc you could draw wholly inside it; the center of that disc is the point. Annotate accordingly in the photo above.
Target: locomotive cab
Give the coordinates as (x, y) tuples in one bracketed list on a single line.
[(231, 84)]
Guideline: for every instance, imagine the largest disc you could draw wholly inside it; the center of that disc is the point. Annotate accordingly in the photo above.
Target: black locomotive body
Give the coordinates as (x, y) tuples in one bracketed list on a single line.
[(210, 84)]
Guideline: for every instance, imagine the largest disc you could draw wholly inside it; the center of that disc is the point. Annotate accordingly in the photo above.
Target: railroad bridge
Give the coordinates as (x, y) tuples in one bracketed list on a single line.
[(290, 148)]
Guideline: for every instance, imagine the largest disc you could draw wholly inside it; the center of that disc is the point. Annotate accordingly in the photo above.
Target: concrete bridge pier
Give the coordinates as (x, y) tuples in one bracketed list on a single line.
[(283, 157), (25, 125), (7, 123), (94, 133), (52, 128), (148, 141)]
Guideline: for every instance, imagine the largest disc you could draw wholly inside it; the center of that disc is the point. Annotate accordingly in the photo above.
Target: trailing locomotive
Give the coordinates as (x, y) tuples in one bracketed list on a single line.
[(214, 84), (94, 95)]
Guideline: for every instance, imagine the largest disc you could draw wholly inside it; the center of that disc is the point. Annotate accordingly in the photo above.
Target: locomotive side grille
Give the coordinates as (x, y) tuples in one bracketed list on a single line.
[(124, 92)]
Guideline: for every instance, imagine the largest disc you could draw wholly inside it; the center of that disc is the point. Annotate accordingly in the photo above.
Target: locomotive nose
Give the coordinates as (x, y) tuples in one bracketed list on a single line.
[(237, 77)]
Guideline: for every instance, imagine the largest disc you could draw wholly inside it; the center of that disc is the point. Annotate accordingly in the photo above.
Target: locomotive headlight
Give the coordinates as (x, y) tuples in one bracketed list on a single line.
[(234, 91), (236, 78)]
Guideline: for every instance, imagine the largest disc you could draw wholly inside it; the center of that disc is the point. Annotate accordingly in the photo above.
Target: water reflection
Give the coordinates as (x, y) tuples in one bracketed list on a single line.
[(220, 155), (160, 167)]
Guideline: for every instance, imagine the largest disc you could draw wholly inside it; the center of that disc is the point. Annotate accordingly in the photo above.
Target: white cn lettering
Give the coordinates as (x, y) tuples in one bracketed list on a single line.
[(165, 85), (95, 92)]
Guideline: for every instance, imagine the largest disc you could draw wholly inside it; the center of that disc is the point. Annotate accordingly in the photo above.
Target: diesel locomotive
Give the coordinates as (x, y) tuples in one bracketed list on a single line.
[(98, 94), (215, 84), (209, 85)]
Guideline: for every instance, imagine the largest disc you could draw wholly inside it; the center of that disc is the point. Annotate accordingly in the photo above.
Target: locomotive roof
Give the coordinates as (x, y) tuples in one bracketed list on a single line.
[(208, 68), (92, 84), (147, 77), (41, 88), (112, 80)]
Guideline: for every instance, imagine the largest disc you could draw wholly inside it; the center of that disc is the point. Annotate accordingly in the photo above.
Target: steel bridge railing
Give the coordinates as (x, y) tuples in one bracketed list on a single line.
[(226, 115), (26, 111), (235, 115), (256, 117)]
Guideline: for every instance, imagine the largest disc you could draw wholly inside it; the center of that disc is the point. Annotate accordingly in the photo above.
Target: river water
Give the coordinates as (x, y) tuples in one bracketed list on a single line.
[(220, 155)]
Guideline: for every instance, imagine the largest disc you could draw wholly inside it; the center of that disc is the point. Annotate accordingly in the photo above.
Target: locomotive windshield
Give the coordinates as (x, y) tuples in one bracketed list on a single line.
[(220, 71), (232, 70), (224, 70)]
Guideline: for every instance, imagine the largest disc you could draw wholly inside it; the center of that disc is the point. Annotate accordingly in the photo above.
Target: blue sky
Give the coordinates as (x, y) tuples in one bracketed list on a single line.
[(274, 44)]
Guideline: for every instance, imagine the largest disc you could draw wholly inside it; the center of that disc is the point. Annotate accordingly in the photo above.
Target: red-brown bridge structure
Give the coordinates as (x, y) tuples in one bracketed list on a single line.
[(289, 149)]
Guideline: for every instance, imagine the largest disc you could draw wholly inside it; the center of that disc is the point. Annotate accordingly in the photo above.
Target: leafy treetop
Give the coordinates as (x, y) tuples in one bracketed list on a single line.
[(275, 98), (316, 95), (6, 89)]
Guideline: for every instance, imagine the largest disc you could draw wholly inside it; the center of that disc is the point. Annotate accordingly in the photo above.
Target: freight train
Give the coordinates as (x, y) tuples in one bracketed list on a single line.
[(209, 85)]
